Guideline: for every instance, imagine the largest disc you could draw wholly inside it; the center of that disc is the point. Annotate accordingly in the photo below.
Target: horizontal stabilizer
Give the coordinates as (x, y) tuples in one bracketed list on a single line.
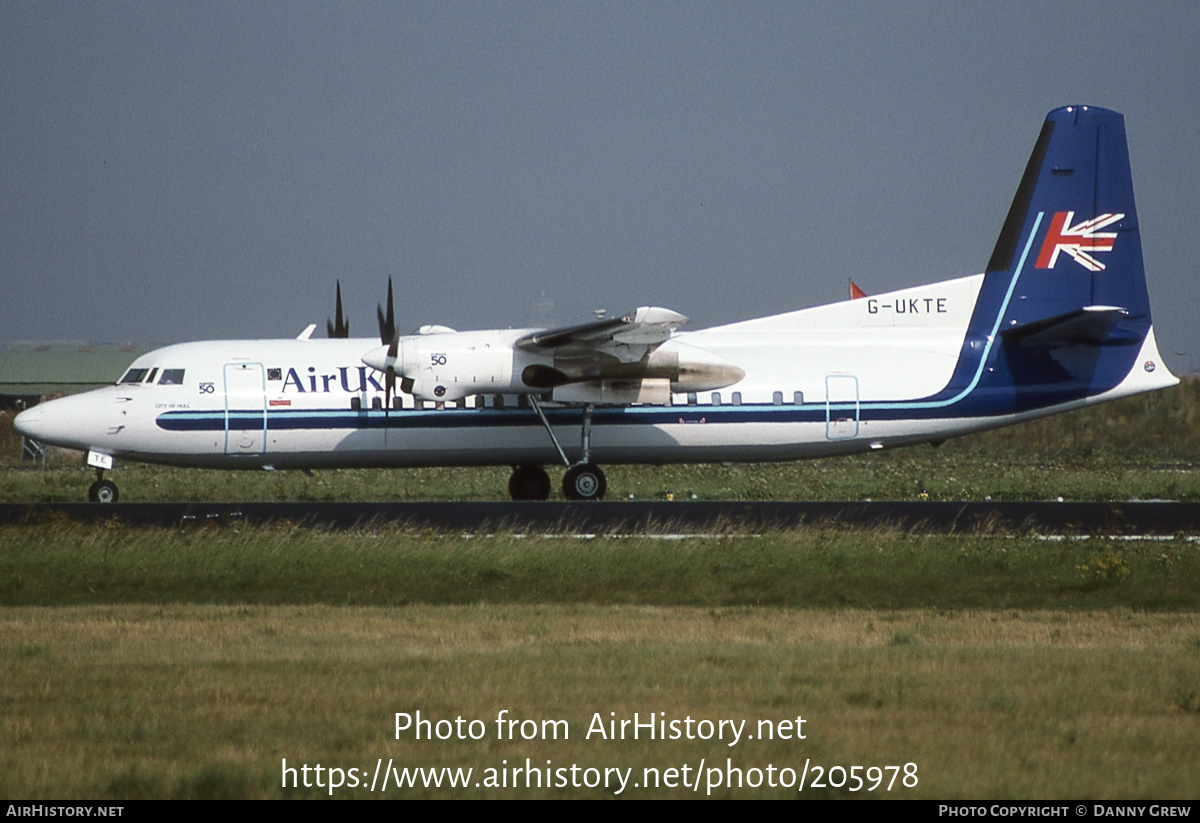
[(1089, 326)]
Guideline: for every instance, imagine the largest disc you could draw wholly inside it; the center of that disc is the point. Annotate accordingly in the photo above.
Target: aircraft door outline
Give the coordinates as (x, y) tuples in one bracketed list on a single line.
[(841, 406), (245, 409)]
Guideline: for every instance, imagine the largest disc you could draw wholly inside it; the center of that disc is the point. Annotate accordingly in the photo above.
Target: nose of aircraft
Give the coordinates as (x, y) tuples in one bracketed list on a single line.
[(29, 423), (72, 422)]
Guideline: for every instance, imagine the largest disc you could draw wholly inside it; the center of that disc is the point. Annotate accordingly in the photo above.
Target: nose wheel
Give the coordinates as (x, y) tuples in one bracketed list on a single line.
[(103, 491)]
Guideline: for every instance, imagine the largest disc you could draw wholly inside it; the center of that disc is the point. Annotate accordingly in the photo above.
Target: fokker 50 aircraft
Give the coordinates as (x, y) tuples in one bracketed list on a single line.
[(1059, 320)]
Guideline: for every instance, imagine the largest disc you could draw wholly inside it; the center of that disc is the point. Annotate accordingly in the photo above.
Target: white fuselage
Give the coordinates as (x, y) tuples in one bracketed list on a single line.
[(808, 377)]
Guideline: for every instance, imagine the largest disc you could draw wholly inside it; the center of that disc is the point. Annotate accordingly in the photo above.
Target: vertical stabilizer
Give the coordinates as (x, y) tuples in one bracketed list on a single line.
[(1073, 223), (1063, 308)]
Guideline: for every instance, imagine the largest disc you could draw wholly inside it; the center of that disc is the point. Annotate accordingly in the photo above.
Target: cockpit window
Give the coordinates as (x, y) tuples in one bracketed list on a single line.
[(134, 376), (171, 377)]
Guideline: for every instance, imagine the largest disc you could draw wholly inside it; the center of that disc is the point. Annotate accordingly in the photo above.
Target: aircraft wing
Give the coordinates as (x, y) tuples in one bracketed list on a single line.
[(628, 339)]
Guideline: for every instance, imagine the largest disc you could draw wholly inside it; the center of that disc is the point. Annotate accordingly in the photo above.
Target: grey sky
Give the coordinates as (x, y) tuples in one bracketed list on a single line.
[(191, 170)]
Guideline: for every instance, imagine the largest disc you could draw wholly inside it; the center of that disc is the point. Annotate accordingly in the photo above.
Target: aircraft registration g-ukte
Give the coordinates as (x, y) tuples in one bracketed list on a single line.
[(1059, 320)]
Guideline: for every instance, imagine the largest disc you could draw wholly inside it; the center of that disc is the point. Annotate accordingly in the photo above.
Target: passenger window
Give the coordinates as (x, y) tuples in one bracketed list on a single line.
[(798, 398), (171, 377), (737, 398), (134, 376), (777, 398)]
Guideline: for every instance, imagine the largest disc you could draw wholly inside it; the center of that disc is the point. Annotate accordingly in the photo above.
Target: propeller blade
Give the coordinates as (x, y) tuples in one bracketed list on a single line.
[(390, 337), (340, 327), (387, 324)]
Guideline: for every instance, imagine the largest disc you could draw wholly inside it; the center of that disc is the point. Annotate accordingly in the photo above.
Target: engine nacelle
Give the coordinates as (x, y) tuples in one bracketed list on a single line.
[(654, 391), (446, 365), (698, 369), (682, 367), (443, 367)]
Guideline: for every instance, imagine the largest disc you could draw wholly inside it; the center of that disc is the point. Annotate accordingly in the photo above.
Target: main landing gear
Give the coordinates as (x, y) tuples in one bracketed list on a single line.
[(102, 491), (583, 480), (529, 483)]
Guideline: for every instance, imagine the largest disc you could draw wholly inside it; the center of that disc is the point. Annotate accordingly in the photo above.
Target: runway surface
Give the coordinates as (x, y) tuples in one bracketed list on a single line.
[(1129, 518)]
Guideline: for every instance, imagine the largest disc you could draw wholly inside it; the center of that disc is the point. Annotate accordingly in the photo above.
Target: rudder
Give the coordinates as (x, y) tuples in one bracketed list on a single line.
[(1064, 293), (1071, 237)]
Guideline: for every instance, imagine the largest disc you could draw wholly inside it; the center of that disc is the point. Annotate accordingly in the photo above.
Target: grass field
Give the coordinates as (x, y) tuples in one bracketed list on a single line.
[(193, 662), (85, 564), (203, 701)]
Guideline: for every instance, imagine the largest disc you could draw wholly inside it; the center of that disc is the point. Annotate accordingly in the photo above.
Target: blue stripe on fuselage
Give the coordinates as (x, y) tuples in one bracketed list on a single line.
[(330, 419)]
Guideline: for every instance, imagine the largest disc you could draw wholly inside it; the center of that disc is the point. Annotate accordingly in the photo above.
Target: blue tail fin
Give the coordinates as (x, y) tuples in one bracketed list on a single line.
[(1064, 296), (1072, 232)]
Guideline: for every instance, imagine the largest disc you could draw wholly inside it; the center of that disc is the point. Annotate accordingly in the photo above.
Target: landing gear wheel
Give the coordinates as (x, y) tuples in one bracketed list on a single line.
[(529, 483), (103, 491), (585, 482)]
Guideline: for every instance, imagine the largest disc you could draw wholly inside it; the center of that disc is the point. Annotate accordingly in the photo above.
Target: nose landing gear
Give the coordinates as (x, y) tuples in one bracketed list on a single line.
[(102, 491)]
